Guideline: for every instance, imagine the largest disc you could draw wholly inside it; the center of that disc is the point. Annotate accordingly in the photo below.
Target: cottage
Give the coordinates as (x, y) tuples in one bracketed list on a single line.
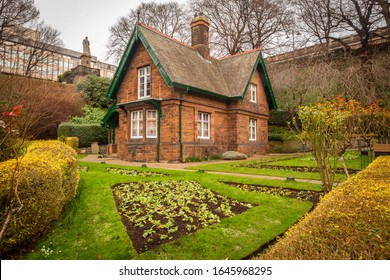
[(175, 101)]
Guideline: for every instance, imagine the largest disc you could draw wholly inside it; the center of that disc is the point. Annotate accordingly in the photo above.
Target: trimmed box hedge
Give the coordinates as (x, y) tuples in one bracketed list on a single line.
[(350, 222), (86, 133), (47, 179)]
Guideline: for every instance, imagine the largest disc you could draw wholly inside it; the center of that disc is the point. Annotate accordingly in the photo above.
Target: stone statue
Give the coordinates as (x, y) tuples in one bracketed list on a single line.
[(86, 50)]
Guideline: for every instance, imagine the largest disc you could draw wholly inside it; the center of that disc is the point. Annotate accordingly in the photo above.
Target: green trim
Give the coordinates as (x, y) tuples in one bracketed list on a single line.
[(124, 62), (155, 60), (110, 119), (188, 88), (260, 66), (181, 128), (267, 84)]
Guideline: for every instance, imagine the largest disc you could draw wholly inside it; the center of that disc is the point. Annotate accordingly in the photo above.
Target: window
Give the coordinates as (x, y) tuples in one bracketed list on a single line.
[(252, 129), (203, 125), (144, 82), (253, 91), (136, 124), (151, 124)]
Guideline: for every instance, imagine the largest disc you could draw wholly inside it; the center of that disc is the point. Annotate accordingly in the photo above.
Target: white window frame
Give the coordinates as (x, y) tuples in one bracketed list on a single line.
[(151, 120), (252, 130), (137, 120), (202, 124), (144, 82), (253, 93)]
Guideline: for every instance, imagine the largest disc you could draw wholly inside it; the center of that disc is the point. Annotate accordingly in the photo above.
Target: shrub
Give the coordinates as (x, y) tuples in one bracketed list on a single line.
[(351, 222), (86, 133), (47, 178), (72, 142)]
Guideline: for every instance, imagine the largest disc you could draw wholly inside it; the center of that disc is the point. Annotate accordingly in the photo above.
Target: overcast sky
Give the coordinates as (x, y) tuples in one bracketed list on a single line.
[(77, 19)]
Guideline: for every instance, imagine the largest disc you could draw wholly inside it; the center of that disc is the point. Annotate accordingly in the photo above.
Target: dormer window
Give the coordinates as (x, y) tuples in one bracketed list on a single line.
[(253, 92), (144, 82)]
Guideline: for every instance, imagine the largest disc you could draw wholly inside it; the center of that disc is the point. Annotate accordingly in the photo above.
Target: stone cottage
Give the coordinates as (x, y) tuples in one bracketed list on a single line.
[(174, 101)]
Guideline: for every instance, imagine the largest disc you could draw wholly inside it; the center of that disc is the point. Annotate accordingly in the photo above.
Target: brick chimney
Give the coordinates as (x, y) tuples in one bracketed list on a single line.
[(200, 35)]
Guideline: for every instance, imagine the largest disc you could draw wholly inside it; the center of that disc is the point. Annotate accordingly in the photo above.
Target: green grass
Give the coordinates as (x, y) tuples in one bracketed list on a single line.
[(90, 227), (352, 161)]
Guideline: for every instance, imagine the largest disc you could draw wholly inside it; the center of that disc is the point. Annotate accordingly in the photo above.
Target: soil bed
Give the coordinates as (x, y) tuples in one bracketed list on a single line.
[(154, 213), (130, 172), (312, 196), (294, 168)]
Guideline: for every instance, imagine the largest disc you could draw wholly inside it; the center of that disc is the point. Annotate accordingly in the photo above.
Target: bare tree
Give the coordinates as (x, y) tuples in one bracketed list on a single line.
[(13, 15), (385, 10), (169, 18), (267, 19), (45, 41), (239, 25), (359, 17), (228, 20), (318, 19)]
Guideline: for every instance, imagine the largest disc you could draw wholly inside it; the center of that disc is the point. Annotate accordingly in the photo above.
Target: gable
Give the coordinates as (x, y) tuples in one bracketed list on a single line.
[(181, 66)]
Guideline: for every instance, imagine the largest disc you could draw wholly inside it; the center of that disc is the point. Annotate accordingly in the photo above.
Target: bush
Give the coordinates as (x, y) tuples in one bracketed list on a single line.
[(280, 133), (72, 142), (86, 133), (351, 222), (47, 179)]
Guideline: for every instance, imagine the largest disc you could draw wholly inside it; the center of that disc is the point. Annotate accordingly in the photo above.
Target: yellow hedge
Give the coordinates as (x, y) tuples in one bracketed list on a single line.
[(47, 179), (351, 222)]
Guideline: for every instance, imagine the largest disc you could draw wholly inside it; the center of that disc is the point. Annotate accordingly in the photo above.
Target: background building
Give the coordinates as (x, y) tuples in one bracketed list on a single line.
[(17, 53)]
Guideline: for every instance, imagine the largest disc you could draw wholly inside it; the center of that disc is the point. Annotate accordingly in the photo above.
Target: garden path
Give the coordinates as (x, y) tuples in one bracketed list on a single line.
[(182, 167)]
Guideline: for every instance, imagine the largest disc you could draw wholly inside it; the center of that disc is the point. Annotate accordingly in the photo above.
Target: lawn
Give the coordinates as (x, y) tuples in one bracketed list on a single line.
[(240, 222), (297, 166)]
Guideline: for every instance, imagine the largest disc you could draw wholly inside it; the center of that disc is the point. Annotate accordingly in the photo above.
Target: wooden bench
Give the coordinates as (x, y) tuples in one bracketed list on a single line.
[(381, 150)]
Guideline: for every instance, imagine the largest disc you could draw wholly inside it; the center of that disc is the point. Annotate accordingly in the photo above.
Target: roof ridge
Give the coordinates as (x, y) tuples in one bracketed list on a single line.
[(238, 54), (164, 35)]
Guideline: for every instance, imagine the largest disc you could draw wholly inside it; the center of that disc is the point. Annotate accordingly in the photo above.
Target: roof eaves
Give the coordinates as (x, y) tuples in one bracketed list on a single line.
[(267, 84), (155, 60), (259, 65), (109, 116), (203, 91)]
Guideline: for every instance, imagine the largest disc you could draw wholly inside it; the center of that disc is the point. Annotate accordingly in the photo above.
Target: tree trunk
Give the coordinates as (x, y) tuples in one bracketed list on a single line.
[(344, 166)]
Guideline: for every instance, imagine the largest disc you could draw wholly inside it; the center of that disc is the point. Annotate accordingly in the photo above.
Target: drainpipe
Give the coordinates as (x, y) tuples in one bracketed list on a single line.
[(180, 127), (158, 135)]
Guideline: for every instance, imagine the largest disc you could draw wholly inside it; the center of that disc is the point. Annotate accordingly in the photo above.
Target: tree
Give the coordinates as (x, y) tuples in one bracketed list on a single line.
[(318, 20), (327, 128), (94, 89), (13, 15), (385, 10), (239, 25), (169, 18), (47, 39)]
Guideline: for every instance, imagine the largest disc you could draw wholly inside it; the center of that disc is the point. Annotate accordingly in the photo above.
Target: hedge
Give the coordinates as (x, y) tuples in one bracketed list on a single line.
[(87, 133), (350, 222), (47, 179)]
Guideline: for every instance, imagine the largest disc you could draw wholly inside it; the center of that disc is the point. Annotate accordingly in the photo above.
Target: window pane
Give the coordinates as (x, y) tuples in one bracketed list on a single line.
[(203, 125), (151, 123)]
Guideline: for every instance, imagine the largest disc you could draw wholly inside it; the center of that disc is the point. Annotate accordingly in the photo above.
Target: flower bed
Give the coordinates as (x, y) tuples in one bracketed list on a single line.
[(293, 168), (138, 173), (312, 196), (157, 212)]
